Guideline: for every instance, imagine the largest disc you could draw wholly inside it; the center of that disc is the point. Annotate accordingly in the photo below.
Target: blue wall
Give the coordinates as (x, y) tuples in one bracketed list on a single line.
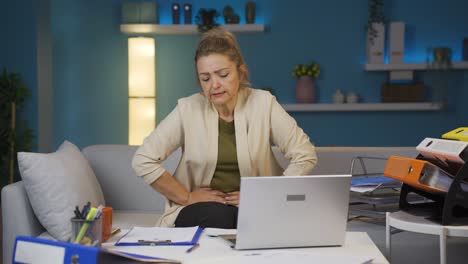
[(18, 51), (90, 66)]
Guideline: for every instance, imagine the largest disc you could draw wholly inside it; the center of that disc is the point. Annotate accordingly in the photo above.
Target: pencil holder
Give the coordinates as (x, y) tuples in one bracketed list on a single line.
[(87, 232)]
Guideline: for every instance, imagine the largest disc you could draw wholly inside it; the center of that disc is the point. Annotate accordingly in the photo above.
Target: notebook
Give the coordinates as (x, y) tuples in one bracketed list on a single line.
[(292, 211)]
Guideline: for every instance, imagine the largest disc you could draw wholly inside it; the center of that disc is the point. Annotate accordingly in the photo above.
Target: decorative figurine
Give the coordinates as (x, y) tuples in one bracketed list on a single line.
[(175, 13), (338, 97), (250, 12), (206, 19), (352, 98), (230, 17), (187, 13)]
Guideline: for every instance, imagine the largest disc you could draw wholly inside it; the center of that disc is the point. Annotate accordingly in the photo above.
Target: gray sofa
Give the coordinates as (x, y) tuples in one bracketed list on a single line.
[(136, 203)]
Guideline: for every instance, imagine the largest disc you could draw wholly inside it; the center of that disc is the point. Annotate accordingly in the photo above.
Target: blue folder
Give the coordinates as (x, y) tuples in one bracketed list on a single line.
[(194, 241), (31, 249), (374, 180)]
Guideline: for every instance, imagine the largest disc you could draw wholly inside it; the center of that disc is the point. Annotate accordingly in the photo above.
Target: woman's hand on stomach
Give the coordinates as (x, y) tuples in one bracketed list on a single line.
[(206, 194)]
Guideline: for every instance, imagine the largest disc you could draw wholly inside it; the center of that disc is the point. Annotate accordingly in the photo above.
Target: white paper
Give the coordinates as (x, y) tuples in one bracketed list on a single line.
[(365, 188), (178, 234), (214, 232), (286, 257)]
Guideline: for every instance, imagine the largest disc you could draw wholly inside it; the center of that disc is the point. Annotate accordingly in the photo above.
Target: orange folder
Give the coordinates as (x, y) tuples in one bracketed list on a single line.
[(418, 173)]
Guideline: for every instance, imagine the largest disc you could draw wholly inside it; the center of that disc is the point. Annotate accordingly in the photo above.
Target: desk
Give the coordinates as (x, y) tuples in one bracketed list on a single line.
[(214, 249), (404, 221)]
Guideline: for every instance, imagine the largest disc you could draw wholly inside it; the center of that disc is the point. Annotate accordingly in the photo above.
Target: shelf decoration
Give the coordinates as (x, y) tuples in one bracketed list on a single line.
[(338, 97), (230, 17), (250, 12), (175, 14), (305, 87), (442, 57), (375, 32), (206, 19), (397, 42), (403, 92), (139, 12), (187, 14), (352, 98)]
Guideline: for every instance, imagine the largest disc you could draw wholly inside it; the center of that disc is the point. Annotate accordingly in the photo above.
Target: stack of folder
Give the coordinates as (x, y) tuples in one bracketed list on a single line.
[(427, 173)]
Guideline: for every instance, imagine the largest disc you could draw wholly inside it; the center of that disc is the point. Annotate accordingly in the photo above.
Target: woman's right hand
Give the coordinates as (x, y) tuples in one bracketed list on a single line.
[(206, 195)]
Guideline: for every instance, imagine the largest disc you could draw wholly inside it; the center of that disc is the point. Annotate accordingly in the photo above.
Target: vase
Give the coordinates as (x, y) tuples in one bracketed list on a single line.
[(305, 90), (250, 12), (375, 43)]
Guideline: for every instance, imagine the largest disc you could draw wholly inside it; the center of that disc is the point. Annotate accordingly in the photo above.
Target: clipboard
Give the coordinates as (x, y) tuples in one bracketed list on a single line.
[(460, 134), (38, 250), (418, 173), (161, 241)]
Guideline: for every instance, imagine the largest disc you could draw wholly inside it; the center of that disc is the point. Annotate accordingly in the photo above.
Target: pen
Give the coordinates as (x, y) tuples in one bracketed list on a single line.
[(192, 248), (115, 231), (77, 212), (85, 210), (154, 242)]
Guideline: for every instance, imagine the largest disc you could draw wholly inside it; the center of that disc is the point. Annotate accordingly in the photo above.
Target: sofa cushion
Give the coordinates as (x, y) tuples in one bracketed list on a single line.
[(123, 190), (56, 183)]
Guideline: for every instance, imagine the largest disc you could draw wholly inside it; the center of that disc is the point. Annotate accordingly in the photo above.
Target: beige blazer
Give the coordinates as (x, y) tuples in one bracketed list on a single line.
[(193, 125)]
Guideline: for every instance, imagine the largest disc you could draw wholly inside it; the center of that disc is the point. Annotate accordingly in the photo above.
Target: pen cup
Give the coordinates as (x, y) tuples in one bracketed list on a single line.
[(106, 223), (87, 232)]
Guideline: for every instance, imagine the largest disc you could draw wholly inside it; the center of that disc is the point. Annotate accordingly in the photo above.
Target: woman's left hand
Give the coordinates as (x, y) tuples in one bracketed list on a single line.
[(232, 198)]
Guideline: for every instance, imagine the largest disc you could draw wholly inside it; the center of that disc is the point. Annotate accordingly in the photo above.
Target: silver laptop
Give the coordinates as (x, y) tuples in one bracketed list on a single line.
[(292, 211)]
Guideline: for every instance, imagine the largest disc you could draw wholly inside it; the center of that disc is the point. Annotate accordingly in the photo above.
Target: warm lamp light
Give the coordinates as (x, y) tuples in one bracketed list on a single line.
[(141, 89)]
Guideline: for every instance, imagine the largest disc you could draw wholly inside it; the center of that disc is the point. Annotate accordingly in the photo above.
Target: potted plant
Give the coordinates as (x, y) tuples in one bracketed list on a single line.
[(376, 16), (305, 87), (15, 134), (206, 19)]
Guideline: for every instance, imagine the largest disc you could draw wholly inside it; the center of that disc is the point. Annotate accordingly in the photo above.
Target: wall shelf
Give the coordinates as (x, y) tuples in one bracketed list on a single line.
[(463, 65), (426, 106), (184, 29)]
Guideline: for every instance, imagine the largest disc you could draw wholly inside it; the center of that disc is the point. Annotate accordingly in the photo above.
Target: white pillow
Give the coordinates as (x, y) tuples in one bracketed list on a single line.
[(56, 183)]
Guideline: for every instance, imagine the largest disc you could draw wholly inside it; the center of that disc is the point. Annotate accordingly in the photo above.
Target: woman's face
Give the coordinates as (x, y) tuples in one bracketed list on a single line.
[(219, 79)]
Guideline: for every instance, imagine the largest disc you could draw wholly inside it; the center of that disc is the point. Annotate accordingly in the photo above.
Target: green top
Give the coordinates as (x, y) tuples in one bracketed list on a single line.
[(226, 177)]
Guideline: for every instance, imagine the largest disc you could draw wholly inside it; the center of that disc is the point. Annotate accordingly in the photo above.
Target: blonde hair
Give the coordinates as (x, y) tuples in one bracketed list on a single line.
[(221, 41)]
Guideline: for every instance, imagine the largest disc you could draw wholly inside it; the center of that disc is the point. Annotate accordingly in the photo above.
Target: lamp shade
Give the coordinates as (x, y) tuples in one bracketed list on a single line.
[(141, 113), (141, 89), (141, 67)]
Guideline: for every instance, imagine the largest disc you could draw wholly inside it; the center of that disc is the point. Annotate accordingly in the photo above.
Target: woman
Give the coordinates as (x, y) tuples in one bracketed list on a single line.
[(225, 132)]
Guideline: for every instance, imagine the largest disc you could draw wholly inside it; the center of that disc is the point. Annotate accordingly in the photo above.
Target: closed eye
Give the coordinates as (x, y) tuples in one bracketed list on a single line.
[(224, 75), (204, 77)]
